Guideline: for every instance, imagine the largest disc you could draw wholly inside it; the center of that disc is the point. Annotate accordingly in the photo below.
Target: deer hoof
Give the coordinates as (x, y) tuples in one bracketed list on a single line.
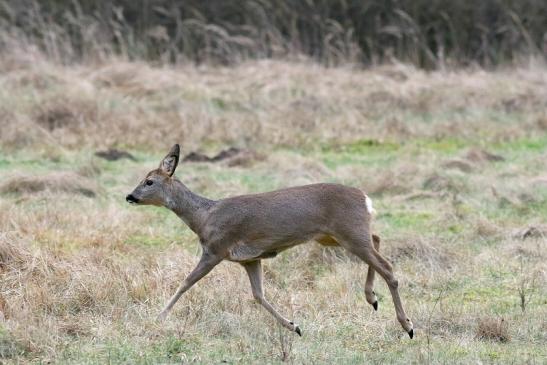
[(411, 333), (375, 305), (296, 328)]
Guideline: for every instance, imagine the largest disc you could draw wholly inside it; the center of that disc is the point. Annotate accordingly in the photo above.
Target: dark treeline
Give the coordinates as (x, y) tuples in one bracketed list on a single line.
[(427, 33)]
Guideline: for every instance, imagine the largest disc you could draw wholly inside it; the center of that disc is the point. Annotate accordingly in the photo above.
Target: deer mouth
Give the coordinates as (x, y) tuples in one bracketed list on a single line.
[(131, 199)]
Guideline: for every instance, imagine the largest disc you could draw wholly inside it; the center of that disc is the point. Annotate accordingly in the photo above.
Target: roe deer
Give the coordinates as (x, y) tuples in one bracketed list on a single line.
[(249, 228)]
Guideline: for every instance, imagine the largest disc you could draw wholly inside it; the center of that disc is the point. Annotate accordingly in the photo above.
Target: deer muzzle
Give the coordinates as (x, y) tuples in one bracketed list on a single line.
[(131, 199)]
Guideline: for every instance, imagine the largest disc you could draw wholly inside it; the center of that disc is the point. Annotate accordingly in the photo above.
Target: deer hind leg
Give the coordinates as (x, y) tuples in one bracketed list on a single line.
[(327, 240), (369, 285), (362, 247), (254, 270)]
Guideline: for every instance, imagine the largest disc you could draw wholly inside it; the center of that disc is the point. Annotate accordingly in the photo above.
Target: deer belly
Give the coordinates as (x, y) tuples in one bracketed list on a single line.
[(260, 249), (242, 253)]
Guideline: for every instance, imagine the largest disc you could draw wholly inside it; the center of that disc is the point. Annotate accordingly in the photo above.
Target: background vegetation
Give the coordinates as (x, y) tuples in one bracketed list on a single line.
[(422, 32), (455, 160)]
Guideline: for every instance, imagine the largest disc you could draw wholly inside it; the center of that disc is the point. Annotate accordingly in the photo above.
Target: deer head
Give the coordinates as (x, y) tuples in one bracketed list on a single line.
[(157, 186)]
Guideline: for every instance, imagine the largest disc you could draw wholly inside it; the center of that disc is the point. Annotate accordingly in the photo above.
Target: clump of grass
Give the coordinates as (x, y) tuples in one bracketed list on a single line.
[(419, 250), (457, 164), (445, 183), (495, 329), (10, 253), (481, 155), (10, 347), (388, 182), (66, 182), (60, 115), (485, 228)]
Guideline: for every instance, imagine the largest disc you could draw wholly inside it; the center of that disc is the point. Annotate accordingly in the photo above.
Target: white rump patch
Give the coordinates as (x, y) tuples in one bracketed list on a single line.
[(368, 203)]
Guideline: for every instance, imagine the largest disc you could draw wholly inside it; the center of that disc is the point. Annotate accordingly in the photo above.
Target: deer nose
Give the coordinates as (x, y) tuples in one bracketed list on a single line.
[(131, 199)]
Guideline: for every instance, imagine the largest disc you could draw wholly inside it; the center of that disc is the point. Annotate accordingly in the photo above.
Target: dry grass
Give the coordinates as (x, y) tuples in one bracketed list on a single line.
[(67, 182), (82, 278), (266, 103), (429, 35), (493, 329)]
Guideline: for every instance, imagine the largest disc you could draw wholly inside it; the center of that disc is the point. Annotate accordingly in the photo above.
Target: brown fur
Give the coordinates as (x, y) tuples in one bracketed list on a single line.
[(248, 228)]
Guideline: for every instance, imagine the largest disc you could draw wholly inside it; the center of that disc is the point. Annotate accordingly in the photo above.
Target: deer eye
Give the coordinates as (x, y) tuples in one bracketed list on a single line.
[(149, 182)]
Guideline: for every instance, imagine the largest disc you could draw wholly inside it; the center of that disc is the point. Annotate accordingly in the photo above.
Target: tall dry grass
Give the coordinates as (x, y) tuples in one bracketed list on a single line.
[(424, 33), (50, 106)]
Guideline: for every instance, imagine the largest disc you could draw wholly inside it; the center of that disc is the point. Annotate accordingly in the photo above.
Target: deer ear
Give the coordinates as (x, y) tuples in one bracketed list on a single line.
[(170, 162)]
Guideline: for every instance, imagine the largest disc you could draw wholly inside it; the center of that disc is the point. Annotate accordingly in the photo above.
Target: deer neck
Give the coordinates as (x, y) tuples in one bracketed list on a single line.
[(189, 206)]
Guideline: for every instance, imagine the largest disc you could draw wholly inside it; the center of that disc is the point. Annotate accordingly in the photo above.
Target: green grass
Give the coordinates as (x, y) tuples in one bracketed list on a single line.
[(446, 146)]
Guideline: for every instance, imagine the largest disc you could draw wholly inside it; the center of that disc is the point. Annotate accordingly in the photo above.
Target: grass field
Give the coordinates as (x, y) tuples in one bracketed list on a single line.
[(455, 162)]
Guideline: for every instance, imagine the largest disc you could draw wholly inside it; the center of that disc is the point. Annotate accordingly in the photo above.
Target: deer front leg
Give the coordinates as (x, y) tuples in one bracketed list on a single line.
[(254, 270), (369, 285), (205, 265)]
